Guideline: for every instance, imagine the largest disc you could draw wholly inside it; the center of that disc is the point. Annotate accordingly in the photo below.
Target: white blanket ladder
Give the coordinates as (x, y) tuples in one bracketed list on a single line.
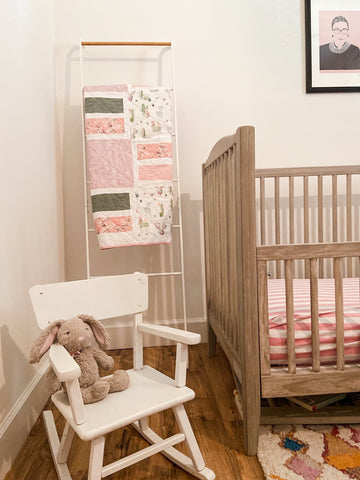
[(161, 48)]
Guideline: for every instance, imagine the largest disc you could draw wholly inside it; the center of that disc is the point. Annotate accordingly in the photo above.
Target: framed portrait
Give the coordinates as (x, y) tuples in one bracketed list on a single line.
[(332, 31)]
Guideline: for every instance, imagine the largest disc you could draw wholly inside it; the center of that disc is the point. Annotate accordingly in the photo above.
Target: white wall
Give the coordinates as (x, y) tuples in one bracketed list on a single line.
[(31, 245), (237, 62)]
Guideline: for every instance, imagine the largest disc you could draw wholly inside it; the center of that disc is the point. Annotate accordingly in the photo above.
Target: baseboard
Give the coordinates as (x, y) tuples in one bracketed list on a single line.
[(121, 334), (19, 421)]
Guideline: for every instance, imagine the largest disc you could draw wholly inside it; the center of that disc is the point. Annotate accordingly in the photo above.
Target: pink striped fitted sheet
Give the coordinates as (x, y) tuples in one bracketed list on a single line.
[(302, 317)]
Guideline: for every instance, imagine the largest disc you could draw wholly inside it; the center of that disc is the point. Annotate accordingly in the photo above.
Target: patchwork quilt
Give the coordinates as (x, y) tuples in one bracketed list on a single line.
[(129, 157)]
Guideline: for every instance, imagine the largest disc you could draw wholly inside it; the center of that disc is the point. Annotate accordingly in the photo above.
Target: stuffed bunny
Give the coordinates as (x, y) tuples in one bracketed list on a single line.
[(75, 335)]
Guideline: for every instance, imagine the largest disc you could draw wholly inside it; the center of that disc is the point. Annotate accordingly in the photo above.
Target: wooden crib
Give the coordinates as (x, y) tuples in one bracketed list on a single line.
[(240, 256)]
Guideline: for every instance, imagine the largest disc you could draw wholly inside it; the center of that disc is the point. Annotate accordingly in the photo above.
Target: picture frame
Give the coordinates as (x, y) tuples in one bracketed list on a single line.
[(332, 41)]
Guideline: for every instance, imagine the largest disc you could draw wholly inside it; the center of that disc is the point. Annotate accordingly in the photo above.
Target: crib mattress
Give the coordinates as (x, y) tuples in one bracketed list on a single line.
[(302, 317)]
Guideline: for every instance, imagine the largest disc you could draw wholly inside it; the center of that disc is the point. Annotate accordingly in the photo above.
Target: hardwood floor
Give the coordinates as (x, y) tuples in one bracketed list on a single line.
[(212, 414)]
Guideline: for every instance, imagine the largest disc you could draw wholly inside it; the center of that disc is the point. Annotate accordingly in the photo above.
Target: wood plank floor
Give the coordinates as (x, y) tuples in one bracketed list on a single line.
[(212, 414)]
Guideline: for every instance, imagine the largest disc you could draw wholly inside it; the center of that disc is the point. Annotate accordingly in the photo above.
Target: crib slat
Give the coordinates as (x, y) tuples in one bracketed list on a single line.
[(210, 230), (348, 222), (262, 211), (263, 318), (291, 214), (223, 243), (207, 239), (226, 225), (219, 245), (222, 261), (217, 283), (277, 222), (320, 221), (290, 316), (334, 208), (212, 234), (225, 256), (233, 248), (314, 296), (306, 220), (306, 209), (291, 210), (339, 312)]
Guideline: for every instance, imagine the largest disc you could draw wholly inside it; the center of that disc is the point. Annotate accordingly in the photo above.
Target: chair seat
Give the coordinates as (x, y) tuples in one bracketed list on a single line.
[(149, 392)]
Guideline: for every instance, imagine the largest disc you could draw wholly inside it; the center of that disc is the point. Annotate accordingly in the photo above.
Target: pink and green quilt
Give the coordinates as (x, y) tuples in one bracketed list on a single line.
[(129, 157)]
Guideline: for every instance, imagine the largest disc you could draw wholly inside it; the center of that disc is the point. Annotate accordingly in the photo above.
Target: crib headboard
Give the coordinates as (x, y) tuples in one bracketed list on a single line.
[(230, 250)]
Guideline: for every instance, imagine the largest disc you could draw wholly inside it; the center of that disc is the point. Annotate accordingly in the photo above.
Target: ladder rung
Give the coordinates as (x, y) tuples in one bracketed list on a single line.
[(174, 180), (93, 229), (160, 274), (163, 274)]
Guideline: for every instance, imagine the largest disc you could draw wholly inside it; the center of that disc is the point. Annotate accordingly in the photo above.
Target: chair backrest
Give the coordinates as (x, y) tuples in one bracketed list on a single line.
[(101, 297)]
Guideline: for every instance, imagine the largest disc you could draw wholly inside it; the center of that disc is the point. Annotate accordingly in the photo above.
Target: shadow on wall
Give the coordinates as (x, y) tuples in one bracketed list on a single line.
[(192, 216), (15, 365), (73, 174)]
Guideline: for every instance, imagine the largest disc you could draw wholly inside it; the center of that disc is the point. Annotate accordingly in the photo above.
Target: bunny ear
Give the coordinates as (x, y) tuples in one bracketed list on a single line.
[(44, 342), (100, 334)]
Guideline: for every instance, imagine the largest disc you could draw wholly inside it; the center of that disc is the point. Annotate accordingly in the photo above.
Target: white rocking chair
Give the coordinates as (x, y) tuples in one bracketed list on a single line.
[(149, 391)]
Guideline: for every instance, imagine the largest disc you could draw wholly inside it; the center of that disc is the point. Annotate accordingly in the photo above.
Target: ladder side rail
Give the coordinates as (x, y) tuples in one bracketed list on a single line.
[(86, 199), (178, 188)]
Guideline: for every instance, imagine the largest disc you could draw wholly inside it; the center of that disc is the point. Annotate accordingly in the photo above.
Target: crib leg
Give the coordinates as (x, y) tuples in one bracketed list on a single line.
[(251, 424), (211, 341)]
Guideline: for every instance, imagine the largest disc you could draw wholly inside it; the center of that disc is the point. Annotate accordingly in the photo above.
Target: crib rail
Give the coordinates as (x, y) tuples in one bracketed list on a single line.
[(313, 210), (313, 253)]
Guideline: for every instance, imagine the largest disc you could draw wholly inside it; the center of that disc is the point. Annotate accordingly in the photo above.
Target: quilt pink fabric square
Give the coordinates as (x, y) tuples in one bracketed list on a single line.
[(105, 168)]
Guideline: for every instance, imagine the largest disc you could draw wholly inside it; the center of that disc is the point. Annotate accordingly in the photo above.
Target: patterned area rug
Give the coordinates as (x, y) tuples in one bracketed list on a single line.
[(310, 452)]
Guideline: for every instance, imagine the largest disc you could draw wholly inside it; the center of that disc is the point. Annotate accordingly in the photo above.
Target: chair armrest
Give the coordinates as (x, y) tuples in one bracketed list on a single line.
[(68, 371), (62, 362), (181, 336), (183, 339)]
